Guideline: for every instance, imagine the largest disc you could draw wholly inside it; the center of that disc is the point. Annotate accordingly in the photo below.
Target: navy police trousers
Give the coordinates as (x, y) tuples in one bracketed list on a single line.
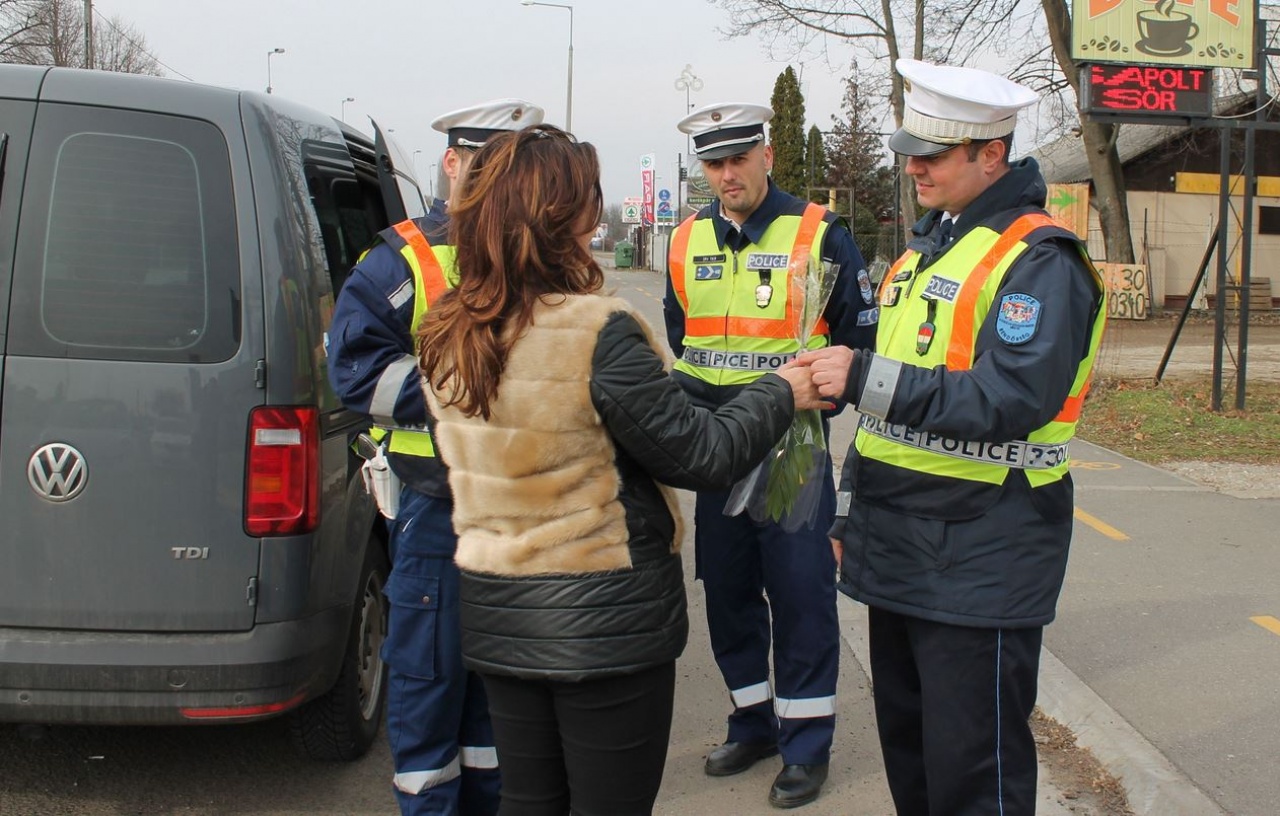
[(437, 712), (756, 573)]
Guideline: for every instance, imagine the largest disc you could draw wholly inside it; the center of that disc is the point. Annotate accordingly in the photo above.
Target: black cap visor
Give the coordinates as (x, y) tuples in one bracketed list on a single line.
[(905, 144), (726, 142)]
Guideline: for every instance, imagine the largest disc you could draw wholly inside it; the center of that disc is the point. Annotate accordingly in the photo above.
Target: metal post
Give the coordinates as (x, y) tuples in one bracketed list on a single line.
[(343, 110), (1220, 283), (88, 33), (271, 54), (568, 105)]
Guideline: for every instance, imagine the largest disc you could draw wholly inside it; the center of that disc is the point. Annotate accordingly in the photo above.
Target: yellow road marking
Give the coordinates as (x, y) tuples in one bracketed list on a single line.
[(1101, 526), (1076, 463), (1267, 622)]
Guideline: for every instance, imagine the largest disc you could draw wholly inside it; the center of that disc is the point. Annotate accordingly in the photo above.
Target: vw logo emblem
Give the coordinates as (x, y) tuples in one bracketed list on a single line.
[(57, 472)]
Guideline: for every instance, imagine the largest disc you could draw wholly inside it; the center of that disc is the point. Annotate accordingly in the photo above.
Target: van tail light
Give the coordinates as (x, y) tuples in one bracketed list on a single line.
[(282, 485)]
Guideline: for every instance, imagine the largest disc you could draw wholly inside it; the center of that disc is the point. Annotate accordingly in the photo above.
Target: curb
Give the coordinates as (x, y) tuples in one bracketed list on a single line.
[(1152, 784)]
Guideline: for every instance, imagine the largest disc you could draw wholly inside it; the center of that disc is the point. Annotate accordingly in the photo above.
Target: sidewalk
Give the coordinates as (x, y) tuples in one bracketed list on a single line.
[(856, 786)]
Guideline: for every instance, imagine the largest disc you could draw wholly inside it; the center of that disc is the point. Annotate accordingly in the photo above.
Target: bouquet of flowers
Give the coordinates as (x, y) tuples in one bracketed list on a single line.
[(787, 486)]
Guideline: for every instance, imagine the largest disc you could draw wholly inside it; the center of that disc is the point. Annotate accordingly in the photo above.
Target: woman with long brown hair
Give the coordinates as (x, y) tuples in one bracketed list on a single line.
[(561, 426)]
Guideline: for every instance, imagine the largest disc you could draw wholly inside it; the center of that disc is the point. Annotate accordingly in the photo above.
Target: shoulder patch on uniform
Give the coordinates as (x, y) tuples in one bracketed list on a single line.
[(708, 272), (869, 317), (1017, 319), (864, 286)]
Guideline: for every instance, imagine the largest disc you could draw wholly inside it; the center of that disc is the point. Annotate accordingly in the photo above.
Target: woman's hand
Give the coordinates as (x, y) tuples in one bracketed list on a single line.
[(803, 389)]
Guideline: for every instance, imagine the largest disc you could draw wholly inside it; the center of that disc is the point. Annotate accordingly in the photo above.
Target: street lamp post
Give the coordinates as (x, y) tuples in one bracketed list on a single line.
[(688, 81), (568, 105), (343, 109), (271, 54)]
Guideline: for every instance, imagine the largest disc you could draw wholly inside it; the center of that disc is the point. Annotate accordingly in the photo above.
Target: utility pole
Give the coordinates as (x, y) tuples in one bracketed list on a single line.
[(88, 33)]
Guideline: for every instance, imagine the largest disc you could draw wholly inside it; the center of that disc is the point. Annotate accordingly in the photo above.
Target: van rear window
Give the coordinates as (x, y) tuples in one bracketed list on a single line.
[(127, 245)]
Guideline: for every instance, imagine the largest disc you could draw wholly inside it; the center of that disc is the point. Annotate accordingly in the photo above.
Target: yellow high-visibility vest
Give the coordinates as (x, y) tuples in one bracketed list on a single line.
[(733, 334), (968, 277), (435, 272)]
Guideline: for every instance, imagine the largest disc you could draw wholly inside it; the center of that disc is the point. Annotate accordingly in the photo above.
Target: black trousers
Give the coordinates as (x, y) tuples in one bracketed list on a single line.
[(952, 708), (594, 748)]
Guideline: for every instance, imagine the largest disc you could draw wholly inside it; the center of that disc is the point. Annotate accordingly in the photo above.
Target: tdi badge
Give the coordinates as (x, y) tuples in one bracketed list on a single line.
[(764, 292)]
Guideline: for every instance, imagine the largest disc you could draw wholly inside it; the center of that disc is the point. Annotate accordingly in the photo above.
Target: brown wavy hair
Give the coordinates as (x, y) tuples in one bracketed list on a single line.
[(530, 198)]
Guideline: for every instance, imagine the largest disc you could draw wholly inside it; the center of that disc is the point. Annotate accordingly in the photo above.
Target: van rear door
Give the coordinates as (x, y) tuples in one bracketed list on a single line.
[(401, 194), (126, 383)]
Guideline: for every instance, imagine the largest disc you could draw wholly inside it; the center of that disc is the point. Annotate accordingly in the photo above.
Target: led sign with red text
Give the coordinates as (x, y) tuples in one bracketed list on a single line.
[(1147, 90)]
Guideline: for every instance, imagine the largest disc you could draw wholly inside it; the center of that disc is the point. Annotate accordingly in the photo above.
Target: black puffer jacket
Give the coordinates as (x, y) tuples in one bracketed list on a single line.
[(567, 543)]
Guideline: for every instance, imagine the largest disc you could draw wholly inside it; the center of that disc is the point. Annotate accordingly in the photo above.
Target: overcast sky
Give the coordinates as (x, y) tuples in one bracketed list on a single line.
[(407, 61)]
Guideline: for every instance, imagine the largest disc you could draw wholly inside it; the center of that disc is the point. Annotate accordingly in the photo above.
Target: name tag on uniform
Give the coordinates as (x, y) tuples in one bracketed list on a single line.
[(710, 259), (942, 289), (767, 260), (706, 272)]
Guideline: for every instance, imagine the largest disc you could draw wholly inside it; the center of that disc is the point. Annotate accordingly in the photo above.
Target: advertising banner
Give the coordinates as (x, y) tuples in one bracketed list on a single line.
[(1203, 33)]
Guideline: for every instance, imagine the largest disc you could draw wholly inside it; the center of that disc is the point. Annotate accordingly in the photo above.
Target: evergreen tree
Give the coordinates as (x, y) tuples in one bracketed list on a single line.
[(815, 160), (786, 134), (856, 161)]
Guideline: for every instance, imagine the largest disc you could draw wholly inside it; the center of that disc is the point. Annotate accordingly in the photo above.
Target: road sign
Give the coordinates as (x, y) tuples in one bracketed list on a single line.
[(664, 195)]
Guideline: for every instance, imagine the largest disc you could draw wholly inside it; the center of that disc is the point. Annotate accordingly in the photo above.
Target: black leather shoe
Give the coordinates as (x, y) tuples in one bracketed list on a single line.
[(797, 785), (735, 757)]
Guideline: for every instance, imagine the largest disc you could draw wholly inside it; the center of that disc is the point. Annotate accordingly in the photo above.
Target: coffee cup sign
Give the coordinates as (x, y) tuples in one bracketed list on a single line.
[(1185, 33), (1165, 31)]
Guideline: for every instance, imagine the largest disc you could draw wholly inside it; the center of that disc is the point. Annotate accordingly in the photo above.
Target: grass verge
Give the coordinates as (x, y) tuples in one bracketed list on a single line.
[(1172, 421)]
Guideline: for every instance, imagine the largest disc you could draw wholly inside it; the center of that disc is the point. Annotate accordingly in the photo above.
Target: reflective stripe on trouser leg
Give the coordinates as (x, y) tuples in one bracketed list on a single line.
[(727, 553), (799, 578), (429, 707)]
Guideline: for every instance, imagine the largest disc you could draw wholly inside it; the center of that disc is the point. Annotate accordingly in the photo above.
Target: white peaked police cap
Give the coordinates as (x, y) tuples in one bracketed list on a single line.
[(947, 105), (725, 129), (471, 127)]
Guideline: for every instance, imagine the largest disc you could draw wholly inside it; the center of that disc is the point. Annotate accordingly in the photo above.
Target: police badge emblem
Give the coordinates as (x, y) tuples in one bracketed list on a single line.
[(764, 294)]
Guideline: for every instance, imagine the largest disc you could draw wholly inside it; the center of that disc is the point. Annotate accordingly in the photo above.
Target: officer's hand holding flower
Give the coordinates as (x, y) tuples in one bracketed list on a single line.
[(829, 368)]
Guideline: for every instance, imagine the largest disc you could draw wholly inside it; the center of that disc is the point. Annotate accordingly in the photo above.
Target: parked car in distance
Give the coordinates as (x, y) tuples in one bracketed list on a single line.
[(186, 537)]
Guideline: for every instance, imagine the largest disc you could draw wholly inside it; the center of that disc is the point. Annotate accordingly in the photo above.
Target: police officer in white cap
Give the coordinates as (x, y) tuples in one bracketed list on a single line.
[(730, 319), (960, 509), (437, 718)]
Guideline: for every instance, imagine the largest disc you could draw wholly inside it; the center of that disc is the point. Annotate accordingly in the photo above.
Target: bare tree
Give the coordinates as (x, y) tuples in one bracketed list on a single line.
[(1099, 144), (51, 32), (954, 32)]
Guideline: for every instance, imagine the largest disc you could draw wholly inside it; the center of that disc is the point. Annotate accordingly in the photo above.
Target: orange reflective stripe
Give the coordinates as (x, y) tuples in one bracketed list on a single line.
[(432, 274), (960, 349), (679, 248), (1074, 405), (768, 327)]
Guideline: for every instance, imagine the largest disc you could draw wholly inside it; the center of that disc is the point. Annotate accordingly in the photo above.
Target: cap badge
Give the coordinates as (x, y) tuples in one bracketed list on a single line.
[(516, 114), (715, 117)]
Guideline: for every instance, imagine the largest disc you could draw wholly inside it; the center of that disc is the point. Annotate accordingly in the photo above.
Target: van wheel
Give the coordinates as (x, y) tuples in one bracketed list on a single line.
[(342, 724)]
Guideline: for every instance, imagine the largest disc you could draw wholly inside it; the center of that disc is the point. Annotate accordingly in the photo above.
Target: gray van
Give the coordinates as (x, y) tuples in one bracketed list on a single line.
[(184, 535)]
